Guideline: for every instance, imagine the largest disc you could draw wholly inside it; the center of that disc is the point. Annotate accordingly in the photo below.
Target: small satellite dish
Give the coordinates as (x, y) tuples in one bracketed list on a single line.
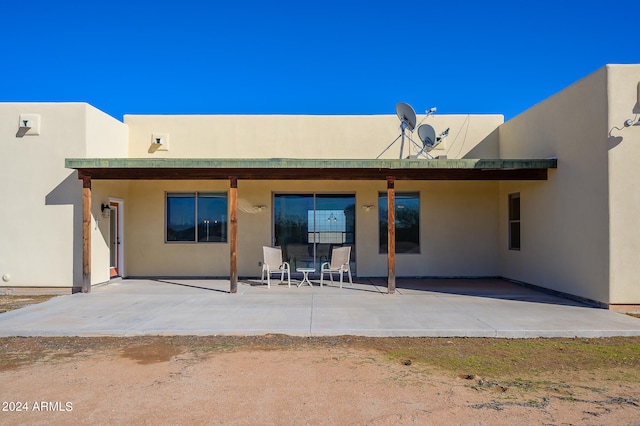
[(407, 115), (427, 135)]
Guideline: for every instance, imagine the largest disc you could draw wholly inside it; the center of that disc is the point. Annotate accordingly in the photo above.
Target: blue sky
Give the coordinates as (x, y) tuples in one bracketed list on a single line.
[(307, 57)]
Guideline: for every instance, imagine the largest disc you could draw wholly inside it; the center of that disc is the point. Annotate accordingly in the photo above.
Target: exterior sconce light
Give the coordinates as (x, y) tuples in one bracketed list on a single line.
[(368, 208), (259, 209), (636, 121), (28, 124), (159, 142), (106, 210)]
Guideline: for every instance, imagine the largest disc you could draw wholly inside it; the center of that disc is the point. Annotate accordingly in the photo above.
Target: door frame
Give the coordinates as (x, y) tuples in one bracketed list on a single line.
[(117, 206), (314, 194)]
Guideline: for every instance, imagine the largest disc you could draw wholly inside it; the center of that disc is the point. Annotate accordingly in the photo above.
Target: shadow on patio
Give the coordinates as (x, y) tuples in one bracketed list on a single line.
[(494, 288)]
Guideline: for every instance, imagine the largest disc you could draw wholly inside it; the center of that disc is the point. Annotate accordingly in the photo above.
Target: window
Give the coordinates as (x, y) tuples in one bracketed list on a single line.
[(196, 217), (514, 221), (407, 212)]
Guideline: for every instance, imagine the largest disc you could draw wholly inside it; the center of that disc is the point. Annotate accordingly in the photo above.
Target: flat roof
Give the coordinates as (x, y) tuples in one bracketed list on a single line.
[(311, 169)]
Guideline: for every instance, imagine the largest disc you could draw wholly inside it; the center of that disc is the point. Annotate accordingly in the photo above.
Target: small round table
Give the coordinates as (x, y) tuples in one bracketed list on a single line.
[(305, 275)]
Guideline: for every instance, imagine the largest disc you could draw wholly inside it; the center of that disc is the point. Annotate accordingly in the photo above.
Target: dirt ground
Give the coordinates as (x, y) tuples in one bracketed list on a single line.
[(319, 381), (280, 380)]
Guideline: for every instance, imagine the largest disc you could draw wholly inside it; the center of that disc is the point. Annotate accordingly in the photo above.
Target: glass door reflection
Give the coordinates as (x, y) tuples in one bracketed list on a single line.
[(309, 226)]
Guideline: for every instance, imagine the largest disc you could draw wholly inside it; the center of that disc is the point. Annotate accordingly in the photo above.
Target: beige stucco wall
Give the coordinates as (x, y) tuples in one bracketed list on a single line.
[(624, 197), (106, 137), (466, 248), (41, 215), (564, 221), (579, 232), (303, 136), (458, 228)]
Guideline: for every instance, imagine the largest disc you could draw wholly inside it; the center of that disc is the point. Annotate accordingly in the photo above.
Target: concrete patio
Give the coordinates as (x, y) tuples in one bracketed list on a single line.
[(420, 308)]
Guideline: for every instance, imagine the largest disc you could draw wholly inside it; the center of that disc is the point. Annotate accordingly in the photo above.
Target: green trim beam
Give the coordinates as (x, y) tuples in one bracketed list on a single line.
[(311, 169)]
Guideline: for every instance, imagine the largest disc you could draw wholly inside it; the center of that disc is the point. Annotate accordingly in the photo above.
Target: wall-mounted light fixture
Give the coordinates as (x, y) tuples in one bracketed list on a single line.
[(159, 142), (368, 208), (634, 121), (28, 124), (259, 209), (106, 210)]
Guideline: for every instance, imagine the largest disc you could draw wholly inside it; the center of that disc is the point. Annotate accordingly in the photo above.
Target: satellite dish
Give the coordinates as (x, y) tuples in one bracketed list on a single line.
[(427, 135), (407, 115)]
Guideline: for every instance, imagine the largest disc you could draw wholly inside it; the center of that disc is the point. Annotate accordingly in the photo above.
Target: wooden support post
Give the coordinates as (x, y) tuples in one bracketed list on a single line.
[(391, 234), (86, 233), (233, 234)]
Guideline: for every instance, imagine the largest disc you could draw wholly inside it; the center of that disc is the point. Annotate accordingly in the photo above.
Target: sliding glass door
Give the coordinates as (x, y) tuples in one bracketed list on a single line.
[(309, 226)]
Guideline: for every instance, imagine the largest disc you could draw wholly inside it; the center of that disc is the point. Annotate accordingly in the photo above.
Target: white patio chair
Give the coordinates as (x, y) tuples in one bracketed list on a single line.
[(339, 263), (272, 263)]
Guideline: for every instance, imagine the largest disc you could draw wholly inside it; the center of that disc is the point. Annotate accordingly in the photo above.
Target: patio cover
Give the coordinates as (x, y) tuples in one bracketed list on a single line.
[(310, 169), (293, 169)]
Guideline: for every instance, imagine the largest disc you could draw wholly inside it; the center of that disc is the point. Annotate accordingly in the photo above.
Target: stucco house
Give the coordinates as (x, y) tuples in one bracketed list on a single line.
[(547, 198)]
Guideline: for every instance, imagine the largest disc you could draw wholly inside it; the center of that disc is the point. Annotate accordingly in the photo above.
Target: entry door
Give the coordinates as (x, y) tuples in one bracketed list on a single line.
[(115, 237), (308, 226)]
